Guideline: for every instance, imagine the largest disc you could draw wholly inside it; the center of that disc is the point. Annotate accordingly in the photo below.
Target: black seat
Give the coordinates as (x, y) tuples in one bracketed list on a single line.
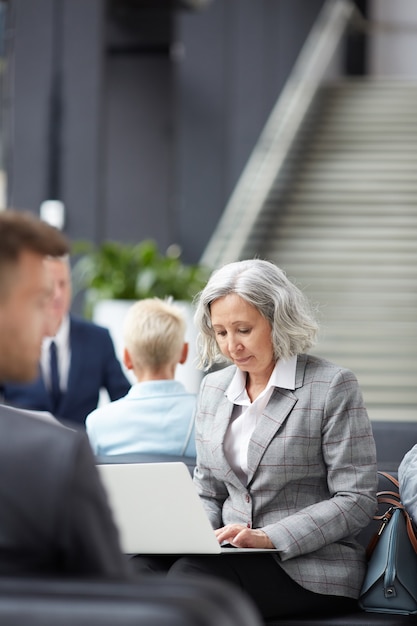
[(150, 602), (393, 440)]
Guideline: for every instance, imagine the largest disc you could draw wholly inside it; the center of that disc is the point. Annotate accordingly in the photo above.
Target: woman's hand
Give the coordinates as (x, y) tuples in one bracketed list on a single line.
[(243, 537)]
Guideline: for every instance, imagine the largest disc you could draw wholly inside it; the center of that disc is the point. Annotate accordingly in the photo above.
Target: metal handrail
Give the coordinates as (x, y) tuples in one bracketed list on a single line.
[(311, 68)]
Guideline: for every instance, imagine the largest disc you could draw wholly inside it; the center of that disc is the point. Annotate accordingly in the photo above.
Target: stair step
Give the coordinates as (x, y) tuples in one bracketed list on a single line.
[(386, 223), (392, 412), (354, 233), (352, 196), (365, 246), (357, 209), (365, 185)]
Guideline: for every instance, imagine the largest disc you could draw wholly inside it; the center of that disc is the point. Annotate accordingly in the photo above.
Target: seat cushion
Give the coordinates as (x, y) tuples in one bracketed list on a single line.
[(359, 618)]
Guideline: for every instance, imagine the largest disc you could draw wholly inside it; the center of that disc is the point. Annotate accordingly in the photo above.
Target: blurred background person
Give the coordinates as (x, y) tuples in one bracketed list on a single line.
[(54, 515), (157, 415), (77, 359)]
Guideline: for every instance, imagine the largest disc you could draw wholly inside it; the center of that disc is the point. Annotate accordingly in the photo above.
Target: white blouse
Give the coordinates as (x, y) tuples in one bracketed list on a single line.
[(245, 414)]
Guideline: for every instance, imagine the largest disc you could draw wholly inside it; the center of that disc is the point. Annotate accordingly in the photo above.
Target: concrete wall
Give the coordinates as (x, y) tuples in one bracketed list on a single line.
[(393, 44), (141, 121), (236, 58)]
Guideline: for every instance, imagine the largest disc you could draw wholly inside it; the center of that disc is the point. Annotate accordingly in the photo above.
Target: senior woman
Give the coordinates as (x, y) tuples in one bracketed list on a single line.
[(285, 454)]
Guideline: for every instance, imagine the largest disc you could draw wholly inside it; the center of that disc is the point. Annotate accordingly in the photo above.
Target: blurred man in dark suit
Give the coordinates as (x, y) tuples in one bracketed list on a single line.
[(77, 360)]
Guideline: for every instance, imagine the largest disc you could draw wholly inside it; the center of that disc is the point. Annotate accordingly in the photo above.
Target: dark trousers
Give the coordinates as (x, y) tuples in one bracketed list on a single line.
[(259, 575)]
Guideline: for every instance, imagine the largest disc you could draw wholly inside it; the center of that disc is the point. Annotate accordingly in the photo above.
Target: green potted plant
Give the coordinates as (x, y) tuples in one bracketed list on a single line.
[(123, 271), (114, 274)]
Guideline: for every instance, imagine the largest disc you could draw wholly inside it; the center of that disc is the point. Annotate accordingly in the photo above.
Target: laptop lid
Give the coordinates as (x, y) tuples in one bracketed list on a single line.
[(157, 509)]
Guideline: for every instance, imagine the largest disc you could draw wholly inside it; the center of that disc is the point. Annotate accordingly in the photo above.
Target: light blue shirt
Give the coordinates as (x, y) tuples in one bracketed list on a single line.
[(155, 417)]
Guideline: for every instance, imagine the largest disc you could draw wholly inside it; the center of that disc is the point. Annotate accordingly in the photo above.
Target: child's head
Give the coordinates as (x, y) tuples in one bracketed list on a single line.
[(154, 332)]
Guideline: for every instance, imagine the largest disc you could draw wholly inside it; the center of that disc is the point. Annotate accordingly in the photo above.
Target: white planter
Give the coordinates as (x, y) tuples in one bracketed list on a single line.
[(112, 313)]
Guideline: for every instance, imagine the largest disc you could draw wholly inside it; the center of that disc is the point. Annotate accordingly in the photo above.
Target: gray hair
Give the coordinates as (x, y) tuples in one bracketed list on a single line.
[(266, 287)]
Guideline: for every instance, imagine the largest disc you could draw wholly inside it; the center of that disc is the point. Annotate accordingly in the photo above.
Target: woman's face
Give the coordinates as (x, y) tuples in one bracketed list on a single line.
[(243, 335)]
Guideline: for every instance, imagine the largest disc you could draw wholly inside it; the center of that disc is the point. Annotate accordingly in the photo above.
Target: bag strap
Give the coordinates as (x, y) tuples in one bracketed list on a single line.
[(393, 499), (390, 500), (384, 519), (389, 497), (390, 478)]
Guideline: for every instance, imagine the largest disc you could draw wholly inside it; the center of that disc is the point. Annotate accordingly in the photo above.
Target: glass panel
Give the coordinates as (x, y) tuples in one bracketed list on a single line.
[(3, 101)]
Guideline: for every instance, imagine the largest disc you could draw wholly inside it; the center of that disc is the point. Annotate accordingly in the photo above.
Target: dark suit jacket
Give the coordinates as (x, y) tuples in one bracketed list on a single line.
[(93, 366), (54, 516)]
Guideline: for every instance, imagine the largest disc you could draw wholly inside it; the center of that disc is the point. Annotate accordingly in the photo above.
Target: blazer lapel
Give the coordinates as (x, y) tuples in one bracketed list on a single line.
[(223, 414), (74, 364), (276, 412), (40, 393)]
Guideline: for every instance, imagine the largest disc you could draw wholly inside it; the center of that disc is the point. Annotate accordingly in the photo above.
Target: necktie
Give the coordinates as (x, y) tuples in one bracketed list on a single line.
[(53, 361)]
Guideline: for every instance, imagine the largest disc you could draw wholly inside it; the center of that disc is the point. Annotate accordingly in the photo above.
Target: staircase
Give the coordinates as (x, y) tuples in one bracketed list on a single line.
[(341, 220)]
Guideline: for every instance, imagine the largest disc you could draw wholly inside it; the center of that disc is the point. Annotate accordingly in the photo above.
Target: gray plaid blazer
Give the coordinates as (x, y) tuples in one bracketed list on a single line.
[(312, 473)]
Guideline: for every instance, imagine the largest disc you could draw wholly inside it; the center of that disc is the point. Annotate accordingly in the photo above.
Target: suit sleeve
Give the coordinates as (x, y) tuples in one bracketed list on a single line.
[(212, 492), (407, 476), (349, 454), (89, 541), (115, 381)]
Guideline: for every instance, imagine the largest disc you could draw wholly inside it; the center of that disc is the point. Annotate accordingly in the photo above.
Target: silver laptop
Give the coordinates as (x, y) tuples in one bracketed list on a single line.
[(158, 511)]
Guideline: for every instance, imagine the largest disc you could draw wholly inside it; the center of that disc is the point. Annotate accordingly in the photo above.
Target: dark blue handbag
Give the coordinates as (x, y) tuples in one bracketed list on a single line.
[(390, 583)]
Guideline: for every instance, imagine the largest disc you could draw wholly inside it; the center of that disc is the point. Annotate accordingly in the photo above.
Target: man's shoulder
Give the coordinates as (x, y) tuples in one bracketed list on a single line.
[(109, 410), (86, 329), (81, 322), (16, 413), (35, 433), (155, 388)]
